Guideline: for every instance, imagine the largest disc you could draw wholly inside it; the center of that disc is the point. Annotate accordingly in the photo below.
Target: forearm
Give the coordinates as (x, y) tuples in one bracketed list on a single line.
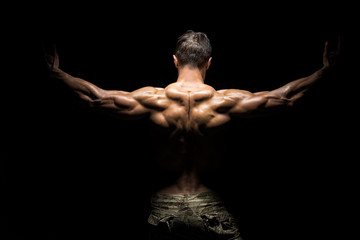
[(297, 88), (83, 89)]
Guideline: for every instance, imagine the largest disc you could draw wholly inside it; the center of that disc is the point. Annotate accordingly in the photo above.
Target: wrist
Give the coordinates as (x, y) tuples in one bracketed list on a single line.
[(324, 70), (56, 72)]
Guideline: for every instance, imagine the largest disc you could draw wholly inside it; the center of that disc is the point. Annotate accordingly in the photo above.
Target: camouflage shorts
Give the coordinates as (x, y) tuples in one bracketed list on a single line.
[(191, 216)]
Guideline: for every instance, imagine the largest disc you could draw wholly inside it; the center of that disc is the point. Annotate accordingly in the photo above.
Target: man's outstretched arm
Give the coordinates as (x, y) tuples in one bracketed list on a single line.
[(118, 103), (287, 95), (294, 90)]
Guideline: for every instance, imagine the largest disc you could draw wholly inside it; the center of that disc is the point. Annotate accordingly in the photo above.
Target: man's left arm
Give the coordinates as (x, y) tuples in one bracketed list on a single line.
[(294, 90)]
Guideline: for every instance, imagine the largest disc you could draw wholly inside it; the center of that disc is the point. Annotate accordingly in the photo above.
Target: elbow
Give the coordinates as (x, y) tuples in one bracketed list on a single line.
[(295, 98), (281, 102), (291, 103), (85, 102)]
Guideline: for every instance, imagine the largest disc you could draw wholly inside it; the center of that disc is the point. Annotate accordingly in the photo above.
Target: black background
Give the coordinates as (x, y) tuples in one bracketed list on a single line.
[(69, 173)]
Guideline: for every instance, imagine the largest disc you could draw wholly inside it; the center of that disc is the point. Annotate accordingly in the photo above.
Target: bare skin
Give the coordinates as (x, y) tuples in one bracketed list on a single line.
[(188, 107)]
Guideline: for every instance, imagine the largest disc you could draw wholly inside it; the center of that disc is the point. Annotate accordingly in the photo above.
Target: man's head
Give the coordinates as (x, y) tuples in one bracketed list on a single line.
[(193, 49)]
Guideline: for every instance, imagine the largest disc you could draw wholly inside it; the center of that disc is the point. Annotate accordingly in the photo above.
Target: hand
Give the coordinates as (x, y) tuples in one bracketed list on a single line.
[(51, 57), (330, 57)]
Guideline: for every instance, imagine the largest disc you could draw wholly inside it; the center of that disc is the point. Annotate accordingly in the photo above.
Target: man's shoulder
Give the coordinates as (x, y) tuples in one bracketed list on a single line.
[(237, 93), (149, 90)]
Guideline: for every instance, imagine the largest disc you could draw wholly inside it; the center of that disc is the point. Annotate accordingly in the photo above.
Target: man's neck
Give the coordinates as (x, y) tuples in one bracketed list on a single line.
[(190, 76)]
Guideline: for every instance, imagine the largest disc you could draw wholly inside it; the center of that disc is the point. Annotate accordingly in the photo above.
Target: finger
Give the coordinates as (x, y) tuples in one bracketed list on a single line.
[(50, 54), (326, 48), (49, 48)]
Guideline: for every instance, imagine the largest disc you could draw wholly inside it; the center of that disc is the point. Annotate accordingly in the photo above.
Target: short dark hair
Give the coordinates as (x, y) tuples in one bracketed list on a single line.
[(193, 49)]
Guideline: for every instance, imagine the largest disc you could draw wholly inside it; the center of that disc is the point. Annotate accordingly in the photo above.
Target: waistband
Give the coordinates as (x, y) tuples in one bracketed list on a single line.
[(173, 200)]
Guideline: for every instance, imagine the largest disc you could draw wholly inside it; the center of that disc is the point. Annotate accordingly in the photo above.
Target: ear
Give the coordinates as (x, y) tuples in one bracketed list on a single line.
[(208, 63), (176, 61)]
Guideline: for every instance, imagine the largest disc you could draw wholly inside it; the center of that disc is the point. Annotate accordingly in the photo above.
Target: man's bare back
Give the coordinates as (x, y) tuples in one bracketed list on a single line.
[(188, 108), (186, 114)]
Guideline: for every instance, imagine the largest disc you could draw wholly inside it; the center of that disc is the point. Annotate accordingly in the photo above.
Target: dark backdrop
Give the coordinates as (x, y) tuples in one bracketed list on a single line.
[(73, 174)]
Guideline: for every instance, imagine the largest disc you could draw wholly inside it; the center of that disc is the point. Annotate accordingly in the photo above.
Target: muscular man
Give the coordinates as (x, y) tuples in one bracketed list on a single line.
[(188, 109)]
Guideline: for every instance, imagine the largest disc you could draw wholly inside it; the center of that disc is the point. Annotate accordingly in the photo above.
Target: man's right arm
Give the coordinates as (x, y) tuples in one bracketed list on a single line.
[(118, 103)]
